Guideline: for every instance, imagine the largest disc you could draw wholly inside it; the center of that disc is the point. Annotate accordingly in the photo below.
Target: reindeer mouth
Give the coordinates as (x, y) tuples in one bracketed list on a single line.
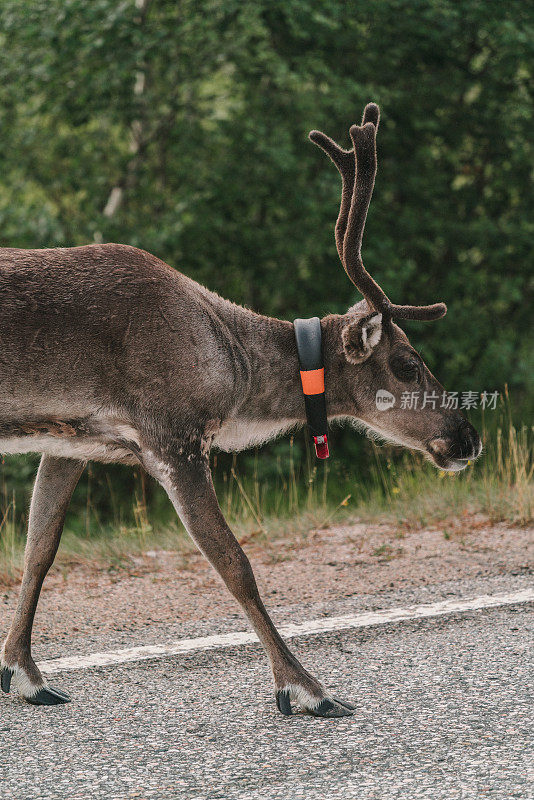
[(450, 464), (440, 453)]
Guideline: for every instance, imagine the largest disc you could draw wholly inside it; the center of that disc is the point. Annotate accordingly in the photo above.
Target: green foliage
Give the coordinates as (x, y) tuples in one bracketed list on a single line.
[(198, 113), (224, 184)]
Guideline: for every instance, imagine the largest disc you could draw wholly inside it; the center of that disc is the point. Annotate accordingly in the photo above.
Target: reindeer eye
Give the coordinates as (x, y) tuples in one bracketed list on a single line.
[(406, 370)]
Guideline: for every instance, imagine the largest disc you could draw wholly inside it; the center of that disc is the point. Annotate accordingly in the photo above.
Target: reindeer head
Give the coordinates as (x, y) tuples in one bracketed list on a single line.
[(376, 354)]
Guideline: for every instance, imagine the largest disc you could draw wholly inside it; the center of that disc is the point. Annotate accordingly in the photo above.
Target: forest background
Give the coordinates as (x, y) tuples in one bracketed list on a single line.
[(181, 128)]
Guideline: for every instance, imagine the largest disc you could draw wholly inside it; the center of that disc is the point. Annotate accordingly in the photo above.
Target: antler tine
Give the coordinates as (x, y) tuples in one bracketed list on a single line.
[(371, 113), (344, 161), (420, 313)]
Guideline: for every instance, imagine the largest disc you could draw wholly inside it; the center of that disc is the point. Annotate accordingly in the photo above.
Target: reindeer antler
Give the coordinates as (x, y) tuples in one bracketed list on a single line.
[(344, 161), (358, 171)]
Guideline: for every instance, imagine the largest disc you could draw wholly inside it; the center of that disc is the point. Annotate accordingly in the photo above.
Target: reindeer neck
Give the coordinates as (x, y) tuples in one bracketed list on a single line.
[(274, 389)]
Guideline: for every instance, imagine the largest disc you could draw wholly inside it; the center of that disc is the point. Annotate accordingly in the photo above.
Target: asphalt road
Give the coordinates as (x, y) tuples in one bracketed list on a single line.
[(445, 710)]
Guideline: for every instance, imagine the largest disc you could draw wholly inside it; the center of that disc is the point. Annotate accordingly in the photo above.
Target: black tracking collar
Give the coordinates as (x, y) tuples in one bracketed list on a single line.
[(310, 351)]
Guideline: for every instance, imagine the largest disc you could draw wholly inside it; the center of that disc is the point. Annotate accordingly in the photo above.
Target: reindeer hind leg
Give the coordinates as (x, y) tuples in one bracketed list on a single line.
[(54, 485)]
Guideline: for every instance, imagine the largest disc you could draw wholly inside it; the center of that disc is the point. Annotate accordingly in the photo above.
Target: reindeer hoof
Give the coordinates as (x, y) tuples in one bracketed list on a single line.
[(333, 708), (5, 679), (47, 696), (326, 707), (283, 703)]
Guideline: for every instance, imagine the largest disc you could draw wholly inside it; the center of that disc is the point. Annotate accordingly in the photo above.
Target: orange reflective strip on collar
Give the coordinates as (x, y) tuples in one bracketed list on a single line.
[(312, 381)]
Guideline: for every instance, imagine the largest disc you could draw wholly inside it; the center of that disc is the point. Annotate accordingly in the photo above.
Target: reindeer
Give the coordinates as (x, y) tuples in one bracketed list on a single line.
[(109, 354)]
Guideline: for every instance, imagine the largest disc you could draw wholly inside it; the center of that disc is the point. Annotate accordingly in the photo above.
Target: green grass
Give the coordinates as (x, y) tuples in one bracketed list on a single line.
[(403, 490), (408, 490)]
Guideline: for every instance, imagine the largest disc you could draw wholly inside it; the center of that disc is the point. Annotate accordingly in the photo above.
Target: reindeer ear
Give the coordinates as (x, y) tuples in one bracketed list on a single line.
[(361, 336)]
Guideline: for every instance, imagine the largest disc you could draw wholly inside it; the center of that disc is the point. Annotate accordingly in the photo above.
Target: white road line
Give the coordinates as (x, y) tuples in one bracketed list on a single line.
[(314, 626)]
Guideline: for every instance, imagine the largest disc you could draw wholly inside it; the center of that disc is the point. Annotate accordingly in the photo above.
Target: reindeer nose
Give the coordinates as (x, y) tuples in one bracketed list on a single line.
[(459, 444), (466, 443)]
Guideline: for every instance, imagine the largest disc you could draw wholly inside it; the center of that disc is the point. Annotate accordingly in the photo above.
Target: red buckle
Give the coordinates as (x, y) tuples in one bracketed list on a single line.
[(321, 446)]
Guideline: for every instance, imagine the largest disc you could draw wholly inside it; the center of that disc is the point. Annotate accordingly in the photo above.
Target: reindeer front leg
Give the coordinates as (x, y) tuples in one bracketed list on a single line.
[(187, 481), (54, 485)]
